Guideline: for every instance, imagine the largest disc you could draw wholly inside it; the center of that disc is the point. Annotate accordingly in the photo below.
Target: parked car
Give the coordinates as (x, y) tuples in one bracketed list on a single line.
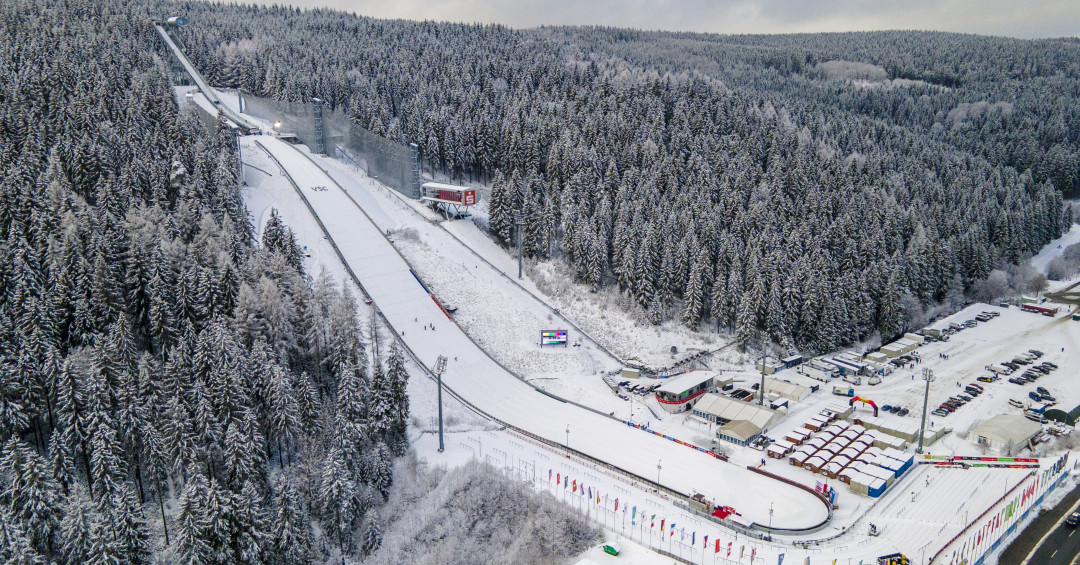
[(964, 397), (1049, 364), (885, 407), (903, 412), (1047, 398), (1035, 352), (1042, 391), (1034, 396), (1015, 381), (1015, 403), (973, 385), (939, 412), (986, 379)]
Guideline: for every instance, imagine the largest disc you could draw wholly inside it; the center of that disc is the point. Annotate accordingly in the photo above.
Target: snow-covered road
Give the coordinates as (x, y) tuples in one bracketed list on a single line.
[(471, 373)]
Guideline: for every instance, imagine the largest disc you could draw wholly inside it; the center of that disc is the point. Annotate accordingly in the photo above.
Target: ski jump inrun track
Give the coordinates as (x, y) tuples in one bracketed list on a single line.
[(403, 301)]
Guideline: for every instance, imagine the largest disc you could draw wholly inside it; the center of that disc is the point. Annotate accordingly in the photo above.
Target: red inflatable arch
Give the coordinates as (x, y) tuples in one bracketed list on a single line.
[(864, 400)]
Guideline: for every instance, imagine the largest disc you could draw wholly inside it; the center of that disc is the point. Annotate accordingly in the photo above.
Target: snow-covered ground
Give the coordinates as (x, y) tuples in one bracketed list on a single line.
[(1055, 248), (504, 319), (400, 295)]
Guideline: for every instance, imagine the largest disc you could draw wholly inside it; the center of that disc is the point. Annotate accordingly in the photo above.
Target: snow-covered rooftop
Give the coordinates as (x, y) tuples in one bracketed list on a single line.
[(1007, 429), (685, 381)]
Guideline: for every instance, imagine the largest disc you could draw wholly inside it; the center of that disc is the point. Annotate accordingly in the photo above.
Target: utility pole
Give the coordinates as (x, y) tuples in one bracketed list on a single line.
[(928, 376), (440, 366), (770, 520), (519, 222), (761, 393), (658, 472), (568, 440)]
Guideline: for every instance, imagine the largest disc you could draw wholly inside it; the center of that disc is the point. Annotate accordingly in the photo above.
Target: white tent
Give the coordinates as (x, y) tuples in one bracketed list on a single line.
[(1005, 431)]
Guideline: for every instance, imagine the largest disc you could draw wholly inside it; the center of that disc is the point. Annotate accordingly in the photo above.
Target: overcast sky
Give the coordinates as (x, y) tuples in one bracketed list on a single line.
[(1015, 18)]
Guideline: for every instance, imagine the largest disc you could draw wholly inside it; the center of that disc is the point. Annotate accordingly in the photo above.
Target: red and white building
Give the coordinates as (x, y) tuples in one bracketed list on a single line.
[(679, 393)]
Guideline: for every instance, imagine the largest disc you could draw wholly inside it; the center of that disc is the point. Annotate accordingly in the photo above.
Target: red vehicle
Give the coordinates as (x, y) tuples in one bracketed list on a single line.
[(1044, 310)]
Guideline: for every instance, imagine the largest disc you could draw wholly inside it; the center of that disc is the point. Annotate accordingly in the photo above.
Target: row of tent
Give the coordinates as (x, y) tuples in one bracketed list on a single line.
[(847, 453)]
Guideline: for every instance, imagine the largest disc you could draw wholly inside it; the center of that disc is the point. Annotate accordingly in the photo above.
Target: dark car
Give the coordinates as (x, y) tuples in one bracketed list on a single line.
[(1073, 519), (1035, 352), (1049, 364), (1034, 396), (1047, 398), (1042, 391), (903, 412), (1015, 381)]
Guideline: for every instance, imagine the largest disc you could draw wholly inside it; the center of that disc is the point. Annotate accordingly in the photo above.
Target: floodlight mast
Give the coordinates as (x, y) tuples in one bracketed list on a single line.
[(928, 376), (440, 366)]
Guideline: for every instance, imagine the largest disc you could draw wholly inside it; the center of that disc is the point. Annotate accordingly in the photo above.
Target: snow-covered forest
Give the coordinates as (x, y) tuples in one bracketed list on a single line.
[(170, 390), (813, 188)]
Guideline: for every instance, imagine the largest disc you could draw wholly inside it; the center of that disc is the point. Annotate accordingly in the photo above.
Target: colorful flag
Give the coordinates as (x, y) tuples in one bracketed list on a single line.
[(706, 542), (566, 482), (728, 547), (742, 551), (598, 496), (753, 552), (617, 505), (661, 524), (590, 492), (780, 559), (575, 485), (693, 538), (549, 474)]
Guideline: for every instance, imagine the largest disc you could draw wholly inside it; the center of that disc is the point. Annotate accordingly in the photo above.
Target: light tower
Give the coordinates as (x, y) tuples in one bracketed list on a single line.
[(440, 366), (928, 376)]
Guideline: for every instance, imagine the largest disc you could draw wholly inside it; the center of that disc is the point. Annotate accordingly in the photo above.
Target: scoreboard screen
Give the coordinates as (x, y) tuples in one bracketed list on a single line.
[(553, 337)]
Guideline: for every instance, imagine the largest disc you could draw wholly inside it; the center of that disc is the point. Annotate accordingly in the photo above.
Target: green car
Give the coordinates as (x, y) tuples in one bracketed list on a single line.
[(612, 549)]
